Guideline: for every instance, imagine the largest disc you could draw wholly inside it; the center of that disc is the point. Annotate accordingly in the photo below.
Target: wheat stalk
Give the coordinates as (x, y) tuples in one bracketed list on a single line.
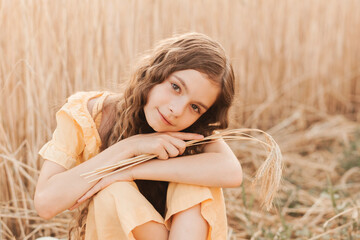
[(268, 176)]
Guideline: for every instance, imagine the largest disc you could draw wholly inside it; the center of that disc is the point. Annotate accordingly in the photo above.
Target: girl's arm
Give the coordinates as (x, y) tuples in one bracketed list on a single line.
[(216, 167), (58, 188)]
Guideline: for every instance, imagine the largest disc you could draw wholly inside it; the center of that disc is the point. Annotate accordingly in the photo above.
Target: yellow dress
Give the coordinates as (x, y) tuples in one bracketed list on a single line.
[(116, 210)]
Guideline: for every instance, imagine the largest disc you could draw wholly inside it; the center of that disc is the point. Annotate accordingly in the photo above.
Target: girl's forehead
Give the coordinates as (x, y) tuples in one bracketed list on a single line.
[(192, 75)]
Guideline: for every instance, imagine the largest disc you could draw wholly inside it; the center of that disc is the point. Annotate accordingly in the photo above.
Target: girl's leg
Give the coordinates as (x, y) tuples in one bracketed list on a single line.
[(189, 224), (119, 211), (149, 230), (193, 209)]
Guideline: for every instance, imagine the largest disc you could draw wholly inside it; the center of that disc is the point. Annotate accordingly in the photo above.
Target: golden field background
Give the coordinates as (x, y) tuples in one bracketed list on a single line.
[(297, 66)]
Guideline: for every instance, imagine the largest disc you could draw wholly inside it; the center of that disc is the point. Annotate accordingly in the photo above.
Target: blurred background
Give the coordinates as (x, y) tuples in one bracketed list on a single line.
[(297, 67)]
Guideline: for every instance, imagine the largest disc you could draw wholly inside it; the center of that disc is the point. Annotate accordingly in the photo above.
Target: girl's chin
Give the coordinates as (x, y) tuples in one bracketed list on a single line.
[(157, 128), (164, 129)]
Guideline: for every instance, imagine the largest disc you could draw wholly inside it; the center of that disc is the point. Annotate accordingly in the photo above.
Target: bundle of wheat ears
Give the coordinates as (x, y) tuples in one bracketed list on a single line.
[(268, 176)]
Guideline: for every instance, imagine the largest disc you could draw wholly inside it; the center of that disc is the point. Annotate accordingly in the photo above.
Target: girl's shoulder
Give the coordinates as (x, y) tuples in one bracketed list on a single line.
[(102, 108), (89, 103), (86, 96), (106, 100), (76, 137)]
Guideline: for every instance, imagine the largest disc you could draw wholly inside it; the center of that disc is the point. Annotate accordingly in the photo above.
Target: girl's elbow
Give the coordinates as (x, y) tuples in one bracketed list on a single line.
[(42, 207), (235, 182), (236, 177)]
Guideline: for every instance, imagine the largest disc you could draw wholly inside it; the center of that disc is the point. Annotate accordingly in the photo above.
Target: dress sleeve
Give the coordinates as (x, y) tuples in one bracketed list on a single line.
[(67, 141)]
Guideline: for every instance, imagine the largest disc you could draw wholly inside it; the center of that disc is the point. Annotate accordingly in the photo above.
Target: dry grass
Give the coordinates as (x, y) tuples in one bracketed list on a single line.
[(297, 68)]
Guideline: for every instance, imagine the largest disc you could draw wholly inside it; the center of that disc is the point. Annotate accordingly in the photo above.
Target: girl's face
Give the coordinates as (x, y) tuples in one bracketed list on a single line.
[(176, 103)]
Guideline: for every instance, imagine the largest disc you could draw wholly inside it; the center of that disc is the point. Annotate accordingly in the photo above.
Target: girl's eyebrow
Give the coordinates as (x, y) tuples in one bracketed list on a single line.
[(186, 89)]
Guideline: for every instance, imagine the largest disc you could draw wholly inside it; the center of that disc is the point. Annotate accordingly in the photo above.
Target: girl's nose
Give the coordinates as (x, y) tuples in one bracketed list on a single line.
[(177, 108)]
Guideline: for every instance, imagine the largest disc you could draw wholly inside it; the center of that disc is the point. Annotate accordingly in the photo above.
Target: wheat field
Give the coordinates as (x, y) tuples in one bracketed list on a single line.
[(297, 67)]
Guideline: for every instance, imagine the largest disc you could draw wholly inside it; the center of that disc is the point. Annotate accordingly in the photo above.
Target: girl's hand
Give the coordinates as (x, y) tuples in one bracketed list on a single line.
[(124, 175), (164, 145)]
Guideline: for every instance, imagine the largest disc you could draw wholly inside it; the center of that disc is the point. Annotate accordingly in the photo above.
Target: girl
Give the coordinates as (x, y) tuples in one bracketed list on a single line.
[(181, 91)]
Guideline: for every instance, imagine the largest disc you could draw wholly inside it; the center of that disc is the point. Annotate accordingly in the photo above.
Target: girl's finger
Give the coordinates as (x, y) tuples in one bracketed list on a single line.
[(74, 206), (97, 187), (83, 198), (162, 154), (186, 136), (172, 150), (179, 144)]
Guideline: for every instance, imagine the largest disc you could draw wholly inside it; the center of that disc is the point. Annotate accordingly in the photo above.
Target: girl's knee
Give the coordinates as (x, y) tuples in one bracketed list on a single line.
[(193, 213), (189, 224), (117, 191), (116, 188), (150, 229), (122, 207), (121, 186)]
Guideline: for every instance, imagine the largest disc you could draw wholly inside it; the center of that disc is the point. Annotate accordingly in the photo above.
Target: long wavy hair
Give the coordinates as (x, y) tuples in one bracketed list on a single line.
[(180, 52)]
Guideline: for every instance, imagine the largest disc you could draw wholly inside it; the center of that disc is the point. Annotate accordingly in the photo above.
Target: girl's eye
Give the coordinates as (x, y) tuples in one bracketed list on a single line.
[(175, 87), (196, 108)]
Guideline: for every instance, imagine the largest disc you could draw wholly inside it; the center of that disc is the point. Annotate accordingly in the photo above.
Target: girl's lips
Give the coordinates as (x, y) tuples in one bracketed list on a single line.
[(164, 119)]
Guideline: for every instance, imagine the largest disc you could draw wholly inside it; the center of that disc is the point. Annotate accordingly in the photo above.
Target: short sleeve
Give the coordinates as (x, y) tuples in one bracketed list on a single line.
[(67, 142)]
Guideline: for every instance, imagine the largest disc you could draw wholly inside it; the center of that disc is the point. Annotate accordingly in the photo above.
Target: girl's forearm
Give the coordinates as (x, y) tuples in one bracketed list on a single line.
[(206, 169)]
